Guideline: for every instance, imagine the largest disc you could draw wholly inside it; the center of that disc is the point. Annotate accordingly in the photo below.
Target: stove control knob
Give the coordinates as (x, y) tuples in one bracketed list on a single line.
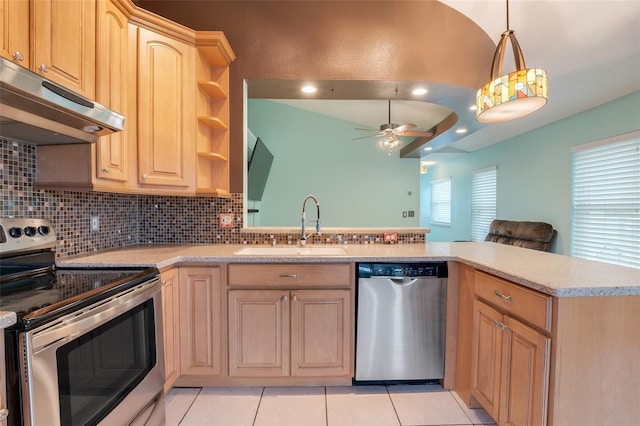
[(15, 232), (43, 230), (30, 231)]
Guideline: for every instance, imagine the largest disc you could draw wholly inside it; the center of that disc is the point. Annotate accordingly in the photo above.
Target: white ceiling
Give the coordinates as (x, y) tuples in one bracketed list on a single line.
[(590, 48)]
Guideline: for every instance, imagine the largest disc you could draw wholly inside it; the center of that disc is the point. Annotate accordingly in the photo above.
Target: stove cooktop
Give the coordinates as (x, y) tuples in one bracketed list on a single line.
[(33, 292)]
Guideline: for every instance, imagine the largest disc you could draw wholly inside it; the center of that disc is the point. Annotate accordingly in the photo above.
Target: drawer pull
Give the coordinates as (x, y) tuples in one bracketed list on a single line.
[(296, 276), (497, 293)]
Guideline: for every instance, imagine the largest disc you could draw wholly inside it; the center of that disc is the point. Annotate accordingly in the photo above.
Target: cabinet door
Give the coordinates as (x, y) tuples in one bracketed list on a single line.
[(486, 357), (525, 375), (14, 37), (200, 321), (166, 112), (111, 90), (259, 333), (320, 332), (64, 43), (170, 322)]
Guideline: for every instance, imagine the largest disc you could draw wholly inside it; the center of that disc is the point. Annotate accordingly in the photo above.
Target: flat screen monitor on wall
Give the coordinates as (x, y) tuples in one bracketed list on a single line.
[(259, 167)]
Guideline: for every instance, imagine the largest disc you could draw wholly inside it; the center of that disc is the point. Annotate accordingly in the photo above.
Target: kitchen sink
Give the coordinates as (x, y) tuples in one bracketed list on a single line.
[(292, 251)]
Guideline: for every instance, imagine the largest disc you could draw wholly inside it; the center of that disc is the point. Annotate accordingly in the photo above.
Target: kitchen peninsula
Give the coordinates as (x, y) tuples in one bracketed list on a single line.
[(585, 313)]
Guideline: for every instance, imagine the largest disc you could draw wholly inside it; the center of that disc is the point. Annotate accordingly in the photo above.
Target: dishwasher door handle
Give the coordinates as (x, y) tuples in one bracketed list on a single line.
[(403, 281)]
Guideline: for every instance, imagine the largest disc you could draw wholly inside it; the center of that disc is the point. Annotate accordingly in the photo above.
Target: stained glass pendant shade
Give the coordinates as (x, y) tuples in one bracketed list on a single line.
[(513, 95)]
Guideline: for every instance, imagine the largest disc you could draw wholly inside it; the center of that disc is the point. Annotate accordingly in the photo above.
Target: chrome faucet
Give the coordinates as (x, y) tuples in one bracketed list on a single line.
[(303, 239)]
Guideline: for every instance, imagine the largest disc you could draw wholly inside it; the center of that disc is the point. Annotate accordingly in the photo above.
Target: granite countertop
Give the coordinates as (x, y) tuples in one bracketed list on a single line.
[(553, 274), (7, 319)]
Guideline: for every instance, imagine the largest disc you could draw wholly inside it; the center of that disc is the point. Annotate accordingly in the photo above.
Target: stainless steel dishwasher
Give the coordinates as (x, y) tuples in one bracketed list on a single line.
[(400, 329)]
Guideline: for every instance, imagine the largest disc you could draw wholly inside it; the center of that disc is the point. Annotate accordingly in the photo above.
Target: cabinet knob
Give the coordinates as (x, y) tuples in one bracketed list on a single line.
[(43, 68), (106, 170), (18, 56), (4, 413), (144, 176), (500, 325), (294, 299), (284, 298)]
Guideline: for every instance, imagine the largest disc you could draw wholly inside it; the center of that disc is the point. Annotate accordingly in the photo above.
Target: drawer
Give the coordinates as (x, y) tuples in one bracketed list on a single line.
[(529, 305), (290, 274)]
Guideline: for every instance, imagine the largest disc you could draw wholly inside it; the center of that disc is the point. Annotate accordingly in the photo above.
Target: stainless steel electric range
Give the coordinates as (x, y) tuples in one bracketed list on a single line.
[(87, 345)]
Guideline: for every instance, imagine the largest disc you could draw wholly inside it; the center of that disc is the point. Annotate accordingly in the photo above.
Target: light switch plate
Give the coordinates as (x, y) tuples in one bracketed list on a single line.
[(94, 223)]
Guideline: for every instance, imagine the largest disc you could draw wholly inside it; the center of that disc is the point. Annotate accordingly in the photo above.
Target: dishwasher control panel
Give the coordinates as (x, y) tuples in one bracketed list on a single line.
[(385, 270)]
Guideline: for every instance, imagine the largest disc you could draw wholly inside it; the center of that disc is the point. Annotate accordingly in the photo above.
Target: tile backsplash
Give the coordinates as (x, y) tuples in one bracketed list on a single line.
[(127, 219)]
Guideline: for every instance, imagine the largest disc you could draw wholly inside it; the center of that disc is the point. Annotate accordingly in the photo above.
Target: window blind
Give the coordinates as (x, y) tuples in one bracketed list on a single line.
[(606, 202), (441, 201), (483, 202)]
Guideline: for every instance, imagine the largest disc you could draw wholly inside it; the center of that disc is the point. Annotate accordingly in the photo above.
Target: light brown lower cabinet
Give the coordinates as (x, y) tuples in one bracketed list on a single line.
[(300, 333), (171, 325), (200, 321), (510, 371)]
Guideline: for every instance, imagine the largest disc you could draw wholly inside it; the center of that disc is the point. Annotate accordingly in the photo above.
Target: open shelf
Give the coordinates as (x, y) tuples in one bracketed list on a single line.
[(212, 89), (214, 192), (212, 122), (213, 156)]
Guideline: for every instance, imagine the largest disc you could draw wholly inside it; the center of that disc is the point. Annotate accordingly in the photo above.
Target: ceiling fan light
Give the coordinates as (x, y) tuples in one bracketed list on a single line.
[(389, 143)]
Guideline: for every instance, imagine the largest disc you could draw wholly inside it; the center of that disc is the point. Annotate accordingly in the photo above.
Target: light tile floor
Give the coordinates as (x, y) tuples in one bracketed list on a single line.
[(331, 406)]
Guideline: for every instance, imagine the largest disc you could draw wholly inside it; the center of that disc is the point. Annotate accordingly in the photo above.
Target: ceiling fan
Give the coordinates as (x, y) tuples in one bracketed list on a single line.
[(390, 133)]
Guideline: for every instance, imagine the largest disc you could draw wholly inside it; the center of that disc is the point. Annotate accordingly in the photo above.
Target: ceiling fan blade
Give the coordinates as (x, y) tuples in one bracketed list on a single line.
[(364, 137), (404, 127), (368, 130), (422, 134)]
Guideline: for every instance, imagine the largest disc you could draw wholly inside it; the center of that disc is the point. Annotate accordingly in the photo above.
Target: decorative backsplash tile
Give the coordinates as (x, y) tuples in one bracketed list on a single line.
[(134, 219)]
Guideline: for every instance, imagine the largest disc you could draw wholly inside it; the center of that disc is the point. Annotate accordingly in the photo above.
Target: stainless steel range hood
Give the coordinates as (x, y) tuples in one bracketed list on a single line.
[(36, 110)]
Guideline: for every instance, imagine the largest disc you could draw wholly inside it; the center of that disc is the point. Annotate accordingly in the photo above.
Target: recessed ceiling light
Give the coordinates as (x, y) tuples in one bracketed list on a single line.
[(473, 107), (461, 131), (419, 91), (309, 89), (428, 148)]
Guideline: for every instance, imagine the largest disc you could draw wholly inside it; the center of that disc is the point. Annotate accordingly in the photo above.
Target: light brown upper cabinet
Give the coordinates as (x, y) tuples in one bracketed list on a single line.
[(14, 37), (102, 166), (171, 83), (166, 111), (111, 151), (64, 43)]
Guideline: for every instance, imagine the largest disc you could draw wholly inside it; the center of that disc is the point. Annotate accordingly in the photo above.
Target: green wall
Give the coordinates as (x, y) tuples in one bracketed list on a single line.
[(357, 184), (534, 171)]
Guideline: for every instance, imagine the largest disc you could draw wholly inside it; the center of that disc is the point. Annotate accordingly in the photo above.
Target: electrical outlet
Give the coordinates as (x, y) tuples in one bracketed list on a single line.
[(94, 223), (411, 213)]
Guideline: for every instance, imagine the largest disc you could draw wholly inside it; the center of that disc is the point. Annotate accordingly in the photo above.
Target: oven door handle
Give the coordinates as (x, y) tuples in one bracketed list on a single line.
[(80, 322)]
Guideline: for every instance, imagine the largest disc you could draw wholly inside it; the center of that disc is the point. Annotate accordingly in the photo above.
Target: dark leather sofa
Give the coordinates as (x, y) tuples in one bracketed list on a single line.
[(532, 235)]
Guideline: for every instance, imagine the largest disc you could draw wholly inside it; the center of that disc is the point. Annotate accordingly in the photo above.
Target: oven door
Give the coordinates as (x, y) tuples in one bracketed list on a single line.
[(101, 364)]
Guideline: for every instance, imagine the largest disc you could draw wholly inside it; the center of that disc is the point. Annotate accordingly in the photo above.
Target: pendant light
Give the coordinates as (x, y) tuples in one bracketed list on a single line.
[(514, 95)]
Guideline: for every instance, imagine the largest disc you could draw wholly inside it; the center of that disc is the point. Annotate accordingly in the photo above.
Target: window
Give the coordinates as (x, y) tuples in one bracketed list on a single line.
[(483, 202), (441, 201), (606, 201)]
